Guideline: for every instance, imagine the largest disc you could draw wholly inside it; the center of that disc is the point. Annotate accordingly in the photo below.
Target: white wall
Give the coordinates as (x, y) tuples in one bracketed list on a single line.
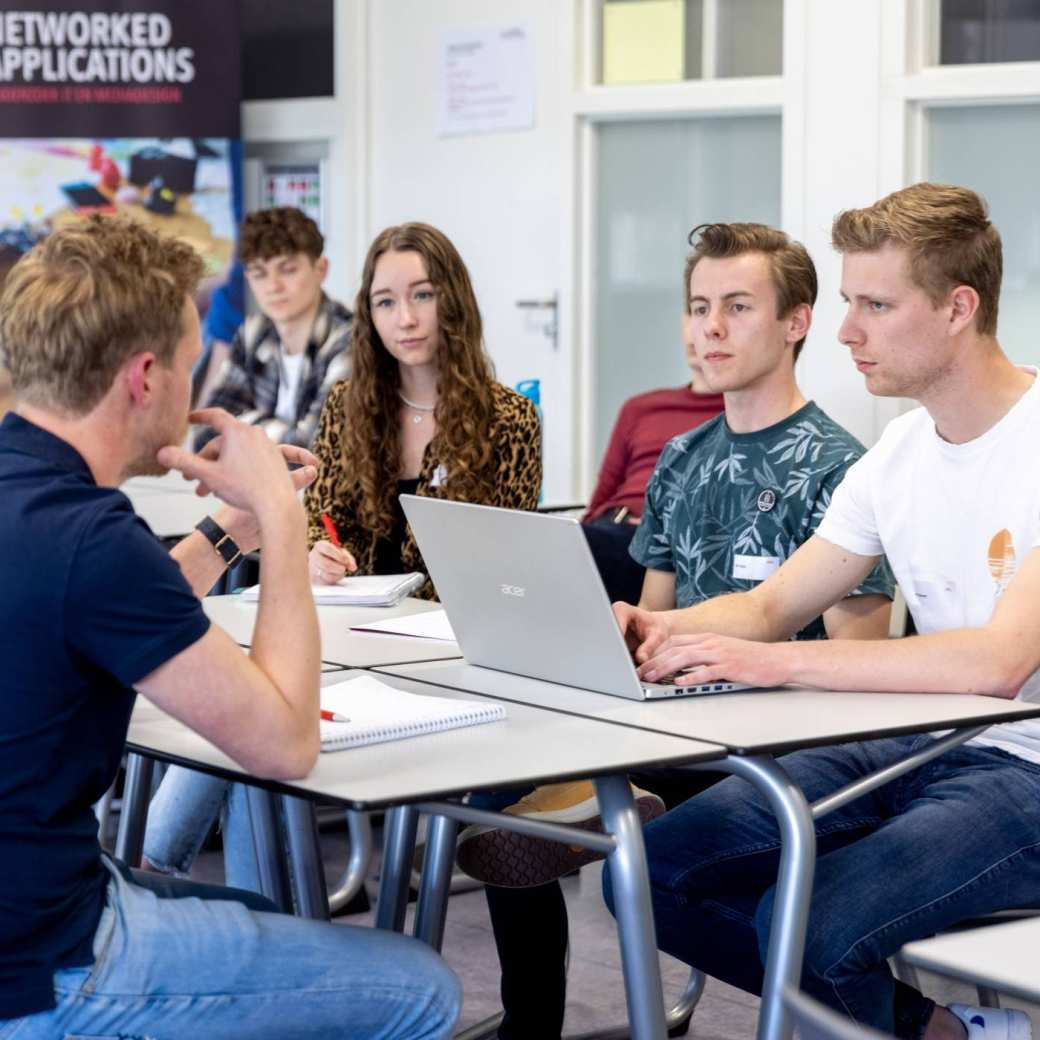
[(499, 196), (518, 204), (832, 162)]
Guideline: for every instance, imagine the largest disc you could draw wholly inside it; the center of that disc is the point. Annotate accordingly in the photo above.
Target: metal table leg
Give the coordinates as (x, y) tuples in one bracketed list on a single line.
[(305, 865), (793, 887), (398, 846), (675, 1019), (137, 792), (267, 847), (633, 909), (360, 829), (436, 881)]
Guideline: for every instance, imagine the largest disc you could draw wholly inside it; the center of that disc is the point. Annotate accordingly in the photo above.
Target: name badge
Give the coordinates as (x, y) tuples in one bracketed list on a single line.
[(438, 477), (754, 568)]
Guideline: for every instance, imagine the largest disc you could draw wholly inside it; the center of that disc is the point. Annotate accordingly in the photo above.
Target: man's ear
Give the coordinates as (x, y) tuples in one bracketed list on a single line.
[(321, 265), (963, 302), (798, 322), (138, 376)]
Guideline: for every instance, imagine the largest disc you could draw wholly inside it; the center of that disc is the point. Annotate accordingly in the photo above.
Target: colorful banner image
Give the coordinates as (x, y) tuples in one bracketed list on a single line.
[(178, 186)]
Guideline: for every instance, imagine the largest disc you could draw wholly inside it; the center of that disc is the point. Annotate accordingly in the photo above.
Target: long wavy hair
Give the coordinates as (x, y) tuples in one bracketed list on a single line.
[(371, 438)]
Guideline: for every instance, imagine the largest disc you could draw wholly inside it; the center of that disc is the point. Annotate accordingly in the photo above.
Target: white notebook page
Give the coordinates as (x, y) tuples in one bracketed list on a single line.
[(378, 712)]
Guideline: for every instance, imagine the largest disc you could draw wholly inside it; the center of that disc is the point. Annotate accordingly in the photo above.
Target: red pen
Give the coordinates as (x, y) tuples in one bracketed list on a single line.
[(330, 527), (333, 716)]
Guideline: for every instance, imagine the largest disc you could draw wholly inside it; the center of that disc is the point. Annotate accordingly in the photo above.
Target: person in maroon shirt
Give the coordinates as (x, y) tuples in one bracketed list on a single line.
[(645, 424)]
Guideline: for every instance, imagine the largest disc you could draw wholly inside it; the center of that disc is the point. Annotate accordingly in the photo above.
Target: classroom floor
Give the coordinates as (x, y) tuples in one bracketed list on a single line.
[(595, 986)]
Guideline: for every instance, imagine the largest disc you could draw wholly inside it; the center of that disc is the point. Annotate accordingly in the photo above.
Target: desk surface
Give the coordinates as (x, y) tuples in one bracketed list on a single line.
[(746, 723), (531, 745), (339, 645), (170, 514), (170, 483), (1002, 956)]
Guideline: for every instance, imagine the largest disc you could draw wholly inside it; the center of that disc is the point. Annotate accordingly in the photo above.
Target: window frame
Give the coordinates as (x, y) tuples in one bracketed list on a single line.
[(594, 104)]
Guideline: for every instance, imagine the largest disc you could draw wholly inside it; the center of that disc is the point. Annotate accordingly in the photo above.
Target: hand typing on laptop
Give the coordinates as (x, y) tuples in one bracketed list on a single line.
[(644, 630), (704, 658)]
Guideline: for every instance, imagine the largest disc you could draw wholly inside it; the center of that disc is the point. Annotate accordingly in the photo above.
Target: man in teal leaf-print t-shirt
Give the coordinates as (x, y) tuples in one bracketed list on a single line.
[(732, 499), (728, 502)]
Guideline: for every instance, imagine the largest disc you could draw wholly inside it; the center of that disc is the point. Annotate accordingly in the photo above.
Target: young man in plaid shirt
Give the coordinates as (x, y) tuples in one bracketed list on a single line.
[(285, 359)]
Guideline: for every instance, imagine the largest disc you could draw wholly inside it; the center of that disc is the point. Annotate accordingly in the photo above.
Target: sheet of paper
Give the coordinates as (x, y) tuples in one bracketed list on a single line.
[(433, 624), (488, 80), (643, 41)]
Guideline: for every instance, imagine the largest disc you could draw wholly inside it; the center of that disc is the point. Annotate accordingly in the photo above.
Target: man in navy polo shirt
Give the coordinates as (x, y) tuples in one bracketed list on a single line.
[(99, 334)]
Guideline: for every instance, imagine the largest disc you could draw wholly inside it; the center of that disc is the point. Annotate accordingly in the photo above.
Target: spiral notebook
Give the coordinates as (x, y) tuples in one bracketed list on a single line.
[(366, 590), (377, 712)]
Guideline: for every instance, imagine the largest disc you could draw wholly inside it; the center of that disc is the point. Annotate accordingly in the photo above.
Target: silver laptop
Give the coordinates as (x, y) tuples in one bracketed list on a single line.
[(524, 596)]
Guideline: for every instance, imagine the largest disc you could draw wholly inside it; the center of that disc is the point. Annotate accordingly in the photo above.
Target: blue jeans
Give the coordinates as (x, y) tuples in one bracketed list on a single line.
[(180, 816), (957, 837), (184, 968)]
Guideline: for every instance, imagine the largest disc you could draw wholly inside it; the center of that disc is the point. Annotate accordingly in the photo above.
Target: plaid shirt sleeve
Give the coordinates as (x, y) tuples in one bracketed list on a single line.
[(235, 392), (329, 364)]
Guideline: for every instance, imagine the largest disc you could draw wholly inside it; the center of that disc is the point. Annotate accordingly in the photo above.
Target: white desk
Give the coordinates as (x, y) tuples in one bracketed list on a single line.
[(530, 746), (339, 645), (767, 722), (754, 726), (1002, 957), (169, 483), (169, 513)]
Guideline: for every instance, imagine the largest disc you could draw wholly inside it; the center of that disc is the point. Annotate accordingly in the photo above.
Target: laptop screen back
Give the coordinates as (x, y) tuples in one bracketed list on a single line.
[(523, 594)]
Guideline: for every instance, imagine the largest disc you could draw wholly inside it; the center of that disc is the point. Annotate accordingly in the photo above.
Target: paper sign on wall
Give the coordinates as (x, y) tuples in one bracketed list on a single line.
[(487, 80)]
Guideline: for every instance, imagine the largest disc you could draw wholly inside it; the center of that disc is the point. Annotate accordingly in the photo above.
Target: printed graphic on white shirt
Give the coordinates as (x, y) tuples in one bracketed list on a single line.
[(1002, 561)]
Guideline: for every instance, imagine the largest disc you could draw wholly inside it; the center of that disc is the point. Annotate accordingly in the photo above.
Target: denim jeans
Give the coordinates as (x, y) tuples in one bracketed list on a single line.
[(185, 968), (957, 837), (180, 816)]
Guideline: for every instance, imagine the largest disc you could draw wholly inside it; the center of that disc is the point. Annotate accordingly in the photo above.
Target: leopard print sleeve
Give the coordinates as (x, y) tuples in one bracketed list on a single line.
[(325, 494), (516, 435)]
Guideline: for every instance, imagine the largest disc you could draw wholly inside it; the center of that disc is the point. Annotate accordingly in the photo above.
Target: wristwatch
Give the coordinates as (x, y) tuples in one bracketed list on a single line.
[(225, 545)]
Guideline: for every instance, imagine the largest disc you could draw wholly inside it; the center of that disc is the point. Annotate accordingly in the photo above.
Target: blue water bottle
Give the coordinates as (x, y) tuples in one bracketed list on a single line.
[(532, 390)]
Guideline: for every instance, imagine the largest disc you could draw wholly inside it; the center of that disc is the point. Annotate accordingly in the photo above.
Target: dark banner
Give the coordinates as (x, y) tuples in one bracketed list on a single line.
[(120, 68), (126, 107)]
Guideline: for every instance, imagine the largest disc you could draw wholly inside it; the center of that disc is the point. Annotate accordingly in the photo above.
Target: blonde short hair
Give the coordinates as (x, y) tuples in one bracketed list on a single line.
[(86, 299), (948, 235)]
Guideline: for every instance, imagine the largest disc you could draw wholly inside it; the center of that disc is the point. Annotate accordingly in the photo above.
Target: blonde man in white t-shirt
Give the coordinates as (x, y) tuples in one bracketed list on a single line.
[(951, 495)]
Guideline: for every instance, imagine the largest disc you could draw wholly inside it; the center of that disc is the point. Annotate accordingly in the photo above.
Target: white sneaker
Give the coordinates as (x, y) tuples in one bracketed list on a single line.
[(993, 1023)]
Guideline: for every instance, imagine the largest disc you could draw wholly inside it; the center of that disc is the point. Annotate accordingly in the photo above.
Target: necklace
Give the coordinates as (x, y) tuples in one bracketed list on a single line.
[(422, 409)]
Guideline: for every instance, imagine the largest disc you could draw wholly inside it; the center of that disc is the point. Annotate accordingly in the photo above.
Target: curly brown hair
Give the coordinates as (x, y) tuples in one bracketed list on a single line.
[(279, 231), (372, 439)]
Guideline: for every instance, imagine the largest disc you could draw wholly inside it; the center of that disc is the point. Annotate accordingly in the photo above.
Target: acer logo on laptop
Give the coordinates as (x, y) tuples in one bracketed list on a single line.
[(513, 590)]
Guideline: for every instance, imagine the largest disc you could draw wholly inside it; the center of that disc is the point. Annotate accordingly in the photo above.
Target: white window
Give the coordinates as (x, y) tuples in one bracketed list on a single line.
[(657, 179), (962, 146), (654, 41)]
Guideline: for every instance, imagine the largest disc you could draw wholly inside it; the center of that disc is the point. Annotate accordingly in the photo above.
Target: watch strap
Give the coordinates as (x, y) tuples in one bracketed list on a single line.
[(225, 546)]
